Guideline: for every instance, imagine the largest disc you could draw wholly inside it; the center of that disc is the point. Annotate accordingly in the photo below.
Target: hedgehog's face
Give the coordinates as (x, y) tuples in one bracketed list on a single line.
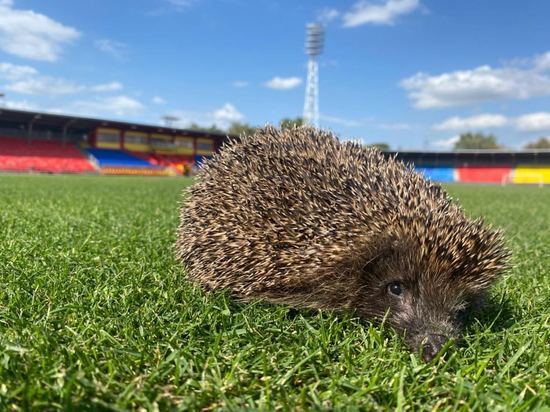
[(428, 315), (428, 309)]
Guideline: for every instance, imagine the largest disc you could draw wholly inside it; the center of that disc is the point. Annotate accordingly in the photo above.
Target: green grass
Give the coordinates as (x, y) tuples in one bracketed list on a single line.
[(95, 313)]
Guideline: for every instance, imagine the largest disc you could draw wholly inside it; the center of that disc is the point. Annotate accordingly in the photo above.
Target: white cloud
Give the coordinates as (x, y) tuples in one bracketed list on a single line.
[(482, 121), (111, 47), (327, 15), (158, 100), (542, 62), (529, 122), (283, 83), (170, 6), (340, 121), (103, 107), (11, 71), (385, 13), (221, 117), (329, 63), (27, 80), (227, 114), (44, 85), (107, 87), (18, 105), (395, 126), (180, 4), (51, 86), (31, 35), (117, 105), (447, 143), (240, 83), (534, 122), (480, 84)]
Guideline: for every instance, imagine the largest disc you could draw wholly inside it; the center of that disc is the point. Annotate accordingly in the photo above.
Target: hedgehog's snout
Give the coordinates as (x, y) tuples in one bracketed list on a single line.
[(429, 330), (429, 338), (428, 345), (431, 345)]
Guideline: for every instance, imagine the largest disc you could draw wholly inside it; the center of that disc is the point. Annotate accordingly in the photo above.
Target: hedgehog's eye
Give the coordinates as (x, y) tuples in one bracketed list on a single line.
[(395, 288)]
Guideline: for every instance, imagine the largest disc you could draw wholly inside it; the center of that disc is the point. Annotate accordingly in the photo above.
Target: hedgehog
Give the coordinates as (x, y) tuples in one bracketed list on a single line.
[(298, 217)]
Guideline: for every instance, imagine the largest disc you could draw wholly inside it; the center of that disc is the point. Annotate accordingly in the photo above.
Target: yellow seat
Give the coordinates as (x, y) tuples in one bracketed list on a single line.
[(531, 175)]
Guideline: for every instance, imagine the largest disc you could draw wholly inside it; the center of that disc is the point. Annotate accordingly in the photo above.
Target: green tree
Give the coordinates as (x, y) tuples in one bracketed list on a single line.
[(212, 129), (383, 147), (240, 129), (289, 123), (542, 143), (476, 141)]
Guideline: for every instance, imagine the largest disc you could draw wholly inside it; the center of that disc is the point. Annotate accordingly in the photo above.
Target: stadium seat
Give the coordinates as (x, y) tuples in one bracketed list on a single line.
[(18, 155), (176, 162), (438, 174), (480, 174), (118, 158), (526, 174), (120, 162)]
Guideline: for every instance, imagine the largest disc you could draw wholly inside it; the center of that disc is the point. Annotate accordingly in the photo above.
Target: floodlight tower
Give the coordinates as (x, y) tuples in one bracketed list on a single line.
[(169, 120), (315, 36)]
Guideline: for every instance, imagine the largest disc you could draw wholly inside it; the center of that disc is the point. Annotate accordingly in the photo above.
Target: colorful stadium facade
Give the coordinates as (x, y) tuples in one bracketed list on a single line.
[(105, 146), (53, 143), (482, 166)]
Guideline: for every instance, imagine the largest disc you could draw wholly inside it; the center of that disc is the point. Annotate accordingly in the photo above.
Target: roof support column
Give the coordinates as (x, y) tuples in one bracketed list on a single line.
[(65, 128), (31, 123)]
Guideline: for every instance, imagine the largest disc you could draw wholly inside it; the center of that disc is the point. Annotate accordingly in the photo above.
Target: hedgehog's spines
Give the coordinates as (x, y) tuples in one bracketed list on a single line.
[(286, 215)]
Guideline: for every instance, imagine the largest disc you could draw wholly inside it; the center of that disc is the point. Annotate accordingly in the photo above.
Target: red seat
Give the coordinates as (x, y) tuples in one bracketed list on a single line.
[(177, 162), (17, 155), (483, 174)]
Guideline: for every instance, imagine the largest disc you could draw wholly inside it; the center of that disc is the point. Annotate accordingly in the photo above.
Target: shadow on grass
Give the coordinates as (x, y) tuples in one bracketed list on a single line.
[(494, 314)]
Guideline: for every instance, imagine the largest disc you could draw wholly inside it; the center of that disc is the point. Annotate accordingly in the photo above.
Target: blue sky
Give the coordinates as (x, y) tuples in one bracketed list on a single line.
[(413, 73)]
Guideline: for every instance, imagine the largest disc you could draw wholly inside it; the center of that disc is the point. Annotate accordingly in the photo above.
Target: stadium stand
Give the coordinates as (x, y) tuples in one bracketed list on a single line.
[(439, 174), (181, 163), (117, 158), (524, 174), (135, 148), (148, 157), (200, 159), (52, 143), (480, 174), (481, 166), (119, 162), (19, 155)]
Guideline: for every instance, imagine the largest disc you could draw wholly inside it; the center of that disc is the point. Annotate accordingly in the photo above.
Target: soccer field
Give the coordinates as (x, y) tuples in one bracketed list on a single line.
[(96, 313)]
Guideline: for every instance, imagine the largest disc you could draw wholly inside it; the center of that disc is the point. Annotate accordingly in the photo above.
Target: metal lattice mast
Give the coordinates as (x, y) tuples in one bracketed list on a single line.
[(314, 47)]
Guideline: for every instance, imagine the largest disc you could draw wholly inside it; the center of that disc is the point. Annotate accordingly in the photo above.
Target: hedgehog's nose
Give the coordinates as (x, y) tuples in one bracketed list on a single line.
[(431, 346)]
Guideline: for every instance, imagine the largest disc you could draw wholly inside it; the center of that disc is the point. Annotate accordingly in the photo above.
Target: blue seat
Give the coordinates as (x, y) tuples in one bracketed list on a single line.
[(199, 159), (438, 174), (118, 158)]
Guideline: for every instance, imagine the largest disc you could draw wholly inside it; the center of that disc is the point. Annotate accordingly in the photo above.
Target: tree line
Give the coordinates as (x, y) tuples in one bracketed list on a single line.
[(480, 141), (239, 128), (489, 141), (467, 140)]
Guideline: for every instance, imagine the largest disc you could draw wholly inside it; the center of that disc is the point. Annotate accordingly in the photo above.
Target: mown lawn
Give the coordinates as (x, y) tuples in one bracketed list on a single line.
[(95, 313)]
